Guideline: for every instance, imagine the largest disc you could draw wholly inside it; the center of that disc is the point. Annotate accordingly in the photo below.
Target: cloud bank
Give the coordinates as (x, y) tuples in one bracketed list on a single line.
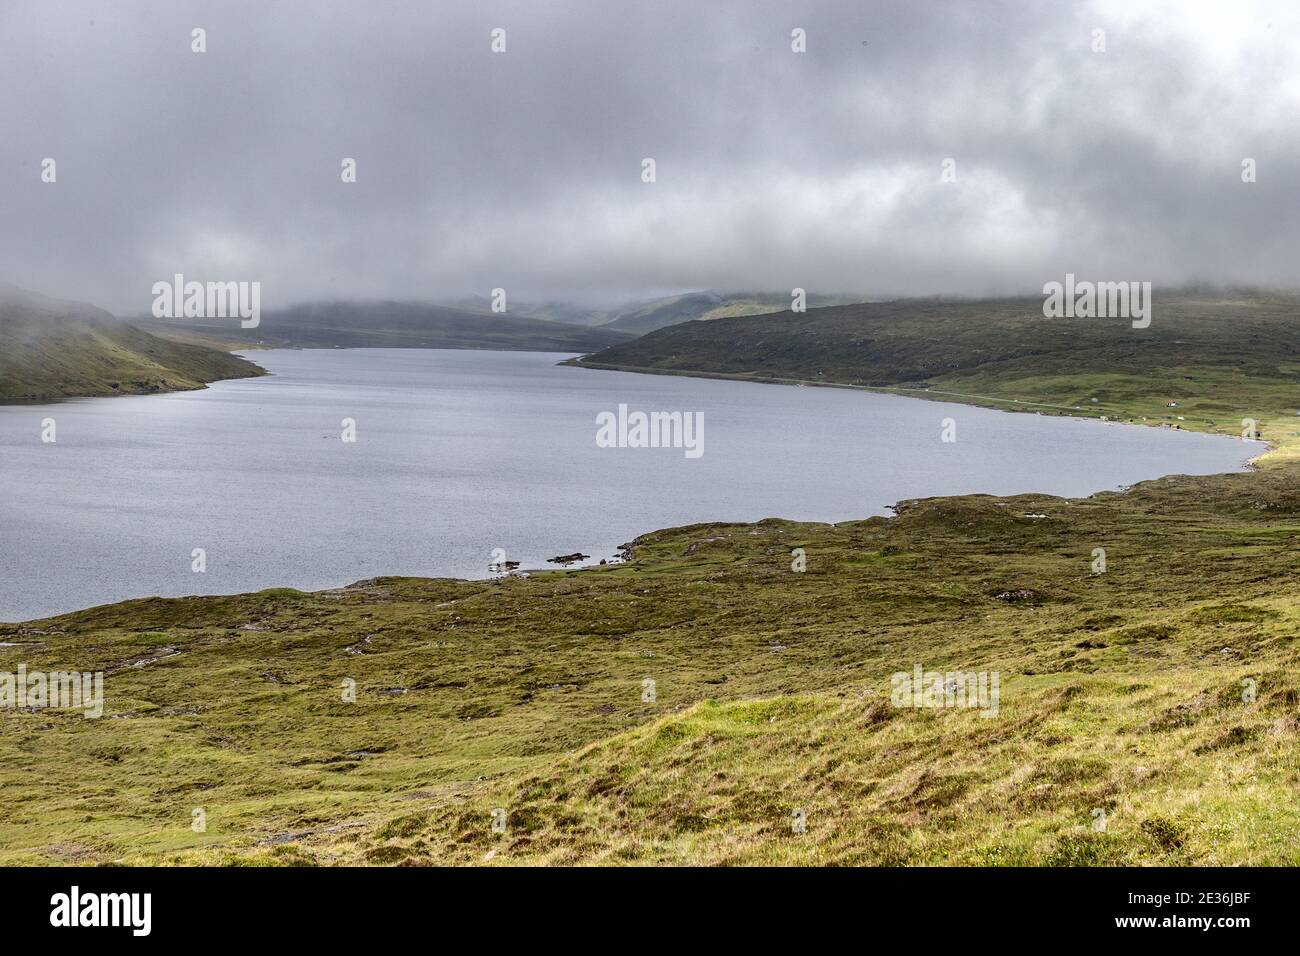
[(523, 169)]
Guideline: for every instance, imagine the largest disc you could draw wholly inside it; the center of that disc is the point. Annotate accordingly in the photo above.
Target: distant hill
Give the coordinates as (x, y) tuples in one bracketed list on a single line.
[(380, 324), (53, 349), (551, 310), (640, 317), (675, 309)]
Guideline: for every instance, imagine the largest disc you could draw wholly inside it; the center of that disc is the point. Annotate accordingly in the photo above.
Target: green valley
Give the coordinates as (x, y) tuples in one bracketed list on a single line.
[(1158, 695)]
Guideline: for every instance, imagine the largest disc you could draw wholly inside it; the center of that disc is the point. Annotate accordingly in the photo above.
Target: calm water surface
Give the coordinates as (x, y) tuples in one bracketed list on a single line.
[(461, 452)]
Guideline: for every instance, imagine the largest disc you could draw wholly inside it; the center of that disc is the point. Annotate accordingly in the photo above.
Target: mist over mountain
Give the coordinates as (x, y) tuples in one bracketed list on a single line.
[(391, 324)]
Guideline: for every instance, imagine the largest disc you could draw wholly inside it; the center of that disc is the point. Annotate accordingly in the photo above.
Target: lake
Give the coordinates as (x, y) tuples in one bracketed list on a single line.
[(458, 453)]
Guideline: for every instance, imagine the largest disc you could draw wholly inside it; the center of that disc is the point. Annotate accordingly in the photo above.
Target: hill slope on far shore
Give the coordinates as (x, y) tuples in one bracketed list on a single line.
[(1215, 357), (51, 349)]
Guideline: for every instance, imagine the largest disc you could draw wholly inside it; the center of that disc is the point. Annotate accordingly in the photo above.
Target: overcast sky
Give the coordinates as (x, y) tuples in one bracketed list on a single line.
[(523, 169)]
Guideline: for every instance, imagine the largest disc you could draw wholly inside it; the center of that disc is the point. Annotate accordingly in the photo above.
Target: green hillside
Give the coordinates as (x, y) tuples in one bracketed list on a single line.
[(51, 349), (1217, 357)]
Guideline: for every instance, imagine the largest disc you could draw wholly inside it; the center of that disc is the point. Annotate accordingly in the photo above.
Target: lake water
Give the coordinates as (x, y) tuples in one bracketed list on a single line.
[(461, 452)]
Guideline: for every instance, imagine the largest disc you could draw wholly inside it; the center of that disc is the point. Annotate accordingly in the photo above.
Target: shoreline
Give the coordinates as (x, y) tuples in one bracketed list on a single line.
[(1274, 449), (82, 396), (1249, 466)]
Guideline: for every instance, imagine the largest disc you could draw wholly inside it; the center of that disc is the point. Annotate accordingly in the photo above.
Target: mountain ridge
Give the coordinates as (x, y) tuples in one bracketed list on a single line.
[(391, 323)]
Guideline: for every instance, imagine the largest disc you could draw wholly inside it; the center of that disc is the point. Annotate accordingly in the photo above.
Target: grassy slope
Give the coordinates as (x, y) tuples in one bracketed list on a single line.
[(1219, 358), (1121, 691), (395, 325), (51, 349)]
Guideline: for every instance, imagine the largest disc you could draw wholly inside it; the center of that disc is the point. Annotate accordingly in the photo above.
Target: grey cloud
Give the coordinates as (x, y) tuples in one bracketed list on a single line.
[(522, 169)]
